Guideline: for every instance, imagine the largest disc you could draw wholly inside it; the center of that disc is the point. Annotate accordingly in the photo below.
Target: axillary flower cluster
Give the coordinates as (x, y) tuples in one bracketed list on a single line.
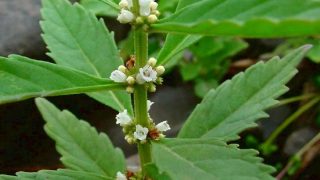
[(147, 13), (149, 75), (135, 133)]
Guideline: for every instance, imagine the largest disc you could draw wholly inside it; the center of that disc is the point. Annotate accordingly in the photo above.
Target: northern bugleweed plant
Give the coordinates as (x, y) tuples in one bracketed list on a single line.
[(86, 55)]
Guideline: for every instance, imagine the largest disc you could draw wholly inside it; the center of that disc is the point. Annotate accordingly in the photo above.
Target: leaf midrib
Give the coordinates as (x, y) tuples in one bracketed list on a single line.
[(88, 60), (244, 104)]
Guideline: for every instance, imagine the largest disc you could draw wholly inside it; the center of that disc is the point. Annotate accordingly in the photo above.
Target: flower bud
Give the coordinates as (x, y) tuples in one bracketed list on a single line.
[(130, 89), (139, 20), (131, 80), (152, 61), (122, 68), (152, 88), (123, 4), (152, 18), (153, 6), (160, 70)]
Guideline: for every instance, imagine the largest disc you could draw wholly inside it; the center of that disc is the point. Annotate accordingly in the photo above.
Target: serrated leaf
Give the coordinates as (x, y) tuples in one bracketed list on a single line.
[(77, 39), (254, 18), (207, 159), (102, 7), (60, 174), (81, 146), (22, 78), (238, 103)]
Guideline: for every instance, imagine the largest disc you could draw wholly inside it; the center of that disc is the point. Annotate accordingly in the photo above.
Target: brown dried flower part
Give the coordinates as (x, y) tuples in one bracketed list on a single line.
[(131, 62), (154, 134)]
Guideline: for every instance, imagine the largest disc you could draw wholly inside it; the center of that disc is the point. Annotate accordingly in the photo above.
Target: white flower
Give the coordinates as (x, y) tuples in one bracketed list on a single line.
[(125, 16), (121, 176), (129, 3), (141, 133), (118, 76), (145, 7), (123, 118), (146, 74), (163, 126), (149, 104)]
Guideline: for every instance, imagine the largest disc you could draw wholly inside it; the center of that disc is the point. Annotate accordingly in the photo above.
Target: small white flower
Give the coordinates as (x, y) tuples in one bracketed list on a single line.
[(123, 118), (149, 104), (125, 16), (146, 74), (121, 176), (141, 133), (145, 7), (118, 76), (163, 126)]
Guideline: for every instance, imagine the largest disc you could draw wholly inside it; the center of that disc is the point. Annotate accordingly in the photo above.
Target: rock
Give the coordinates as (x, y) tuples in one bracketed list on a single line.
[(298, 139), (20, 29)]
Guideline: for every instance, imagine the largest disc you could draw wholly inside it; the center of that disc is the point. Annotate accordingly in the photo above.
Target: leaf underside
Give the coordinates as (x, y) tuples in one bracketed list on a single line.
[(77, 39), (207, 159), (22, 78), (253, 18), (238, 103), (81, 146)]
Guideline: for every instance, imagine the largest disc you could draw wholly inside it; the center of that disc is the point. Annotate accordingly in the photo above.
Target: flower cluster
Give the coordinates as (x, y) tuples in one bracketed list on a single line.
[(147, 12), (149, 75), (136, 133)]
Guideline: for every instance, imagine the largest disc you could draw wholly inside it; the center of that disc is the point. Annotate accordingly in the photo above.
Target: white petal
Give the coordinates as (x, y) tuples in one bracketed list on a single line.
[(125, 16), (123, 118), (149, 104), (163, 126), (121, 176), (118, 76), (145, 7), (148, 74), (141, 133), (130, 3)]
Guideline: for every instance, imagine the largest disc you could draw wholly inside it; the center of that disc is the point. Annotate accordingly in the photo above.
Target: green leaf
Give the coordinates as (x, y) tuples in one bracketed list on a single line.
[(81, 146), (102, 7), (78, 40), (174, 44), (207, 159), (60, 174), (237, 103), (22, 78), (253, 18)]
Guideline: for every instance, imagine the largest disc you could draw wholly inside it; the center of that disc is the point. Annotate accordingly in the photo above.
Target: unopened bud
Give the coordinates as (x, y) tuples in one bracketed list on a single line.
[(152, 88), (123, 4), (152, 61), (122, 68), (139, 20), (156, 12), (131, 80), (160, 70), (130, 89), (152, 18), (153, 6)]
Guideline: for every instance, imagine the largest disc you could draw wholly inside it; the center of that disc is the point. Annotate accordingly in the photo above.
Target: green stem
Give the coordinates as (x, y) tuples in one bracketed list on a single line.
[(140, 92), (289, 120), (298, 155), (295, 99)]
